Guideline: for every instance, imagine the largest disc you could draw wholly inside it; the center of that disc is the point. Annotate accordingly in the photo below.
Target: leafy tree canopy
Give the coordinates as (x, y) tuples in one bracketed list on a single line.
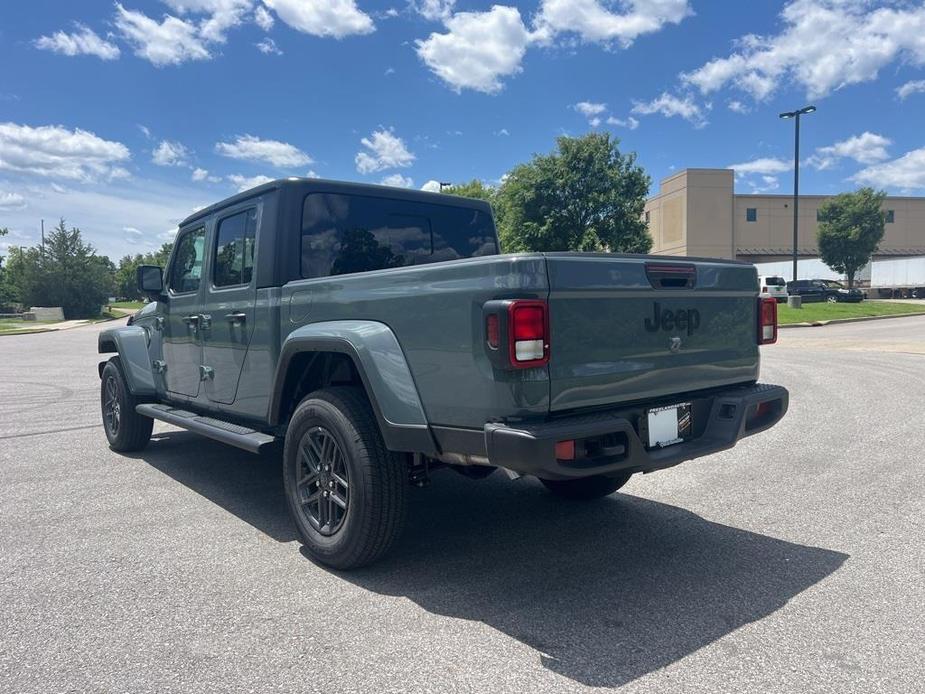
[(125, 279), (851, 226), (66, 272), (585, 196)]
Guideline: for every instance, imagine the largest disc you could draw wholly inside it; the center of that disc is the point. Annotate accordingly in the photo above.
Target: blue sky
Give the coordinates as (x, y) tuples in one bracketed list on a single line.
[(124, 117)]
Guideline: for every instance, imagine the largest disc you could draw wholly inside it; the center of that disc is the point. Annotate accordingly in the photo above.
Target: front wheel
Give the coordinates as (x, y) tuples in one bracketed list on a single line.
[(126, 430), (347, 493), (587, 488)]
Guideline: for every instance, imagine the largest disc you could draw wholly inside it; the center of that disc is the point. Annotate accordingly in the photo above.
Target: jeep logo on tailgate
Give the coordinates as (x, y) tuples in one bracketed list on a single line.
[(666, 319)]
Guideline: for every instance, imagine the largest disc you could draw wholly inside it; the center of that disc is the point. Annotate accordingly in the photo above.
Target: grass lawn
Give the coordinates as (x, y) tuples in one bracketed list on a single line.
[(134, 305), (810, 313), (13, 325)]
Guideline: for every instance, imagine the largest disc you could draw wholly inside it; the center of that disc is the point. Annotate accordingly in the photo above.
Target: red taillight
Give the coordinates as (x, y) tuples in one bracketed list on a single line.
[(528, 330), (493, 331), (767, 321)]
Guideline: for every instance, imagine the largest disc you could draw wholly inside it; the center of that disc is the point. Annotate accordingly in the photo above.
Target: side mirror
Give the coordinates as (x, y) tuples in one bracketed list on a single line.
[(150, 280)]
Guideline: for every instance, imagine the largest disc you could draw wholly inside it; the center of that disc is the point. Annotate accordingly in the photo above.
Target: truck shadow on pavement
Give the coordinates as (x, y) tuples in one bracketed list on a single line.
[(605, 592)]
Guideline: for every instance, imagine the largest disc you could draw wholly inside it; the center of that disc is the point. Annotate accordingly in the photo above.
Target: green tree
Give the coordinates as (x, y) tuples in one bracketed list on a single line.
[(66, 273), (126, 285), (851, 226), (585, 196), (5, 298), (473, 189)]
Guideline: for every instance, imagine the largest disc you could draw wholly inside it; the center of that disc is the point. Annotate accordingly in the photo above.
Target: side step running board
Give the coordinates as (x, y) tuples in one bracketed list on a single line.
[(232, 434)]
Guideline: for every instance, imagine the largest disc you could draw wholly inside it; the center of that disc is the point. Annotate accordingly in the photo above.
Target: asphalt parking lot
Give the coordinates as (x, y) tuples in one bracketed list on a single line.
[(792, 563)]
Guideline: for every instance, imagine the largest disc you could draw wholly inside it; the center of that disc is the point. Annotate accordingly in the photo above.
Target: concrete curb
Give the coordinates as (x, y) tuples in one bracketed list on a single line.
[(819, 324)]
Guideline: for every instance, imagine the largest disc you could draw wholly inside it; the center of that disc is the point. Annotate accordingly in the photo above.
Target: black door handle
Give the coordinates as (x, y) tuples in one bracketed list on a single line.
[(238, 317)]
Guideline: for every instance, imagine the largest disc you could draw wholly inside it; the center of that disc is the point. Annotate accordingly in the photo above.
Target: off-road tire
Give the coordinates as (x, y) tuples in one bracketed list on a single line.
[(586, 488), (127, 431), (376, 495)]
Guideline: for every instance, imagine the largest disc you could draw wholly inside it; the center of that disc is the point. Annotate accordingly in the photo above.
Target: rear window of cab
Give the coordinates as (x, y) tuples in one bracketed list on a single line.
[(343, 234)]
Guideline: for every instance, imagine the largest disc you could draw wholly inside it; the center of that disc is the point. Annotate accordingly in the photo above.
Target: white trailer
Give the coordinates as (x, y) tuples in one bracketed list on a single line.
[(902, 278)]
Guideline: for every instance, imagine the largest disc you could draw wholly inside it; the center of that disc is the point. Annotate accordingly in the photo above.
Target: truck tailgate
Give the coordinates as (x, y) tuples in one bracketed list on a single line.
[(629, 328)]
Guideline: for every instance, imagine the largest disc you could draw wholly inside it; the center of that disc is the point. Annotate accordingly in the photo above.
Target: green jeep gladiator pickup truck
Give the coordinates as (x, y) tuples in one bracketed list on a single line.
[(381, 335)]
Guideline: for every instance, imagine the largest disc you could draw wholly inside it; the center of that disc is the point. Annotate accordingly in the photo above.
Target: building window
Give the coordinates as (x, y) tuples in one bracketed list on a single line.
[(647, 216), (818, 215), (751, 214), (890, 217)]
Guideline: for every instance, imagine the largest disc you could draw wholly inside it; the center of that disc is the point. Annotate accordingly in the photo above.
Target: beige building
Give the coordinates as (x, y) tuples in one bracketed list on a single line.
[(698, 213)]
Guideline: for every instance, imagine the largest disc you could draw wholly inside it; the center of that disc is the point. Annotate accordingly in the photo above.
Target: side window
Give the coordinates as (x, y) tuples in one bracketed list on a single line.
[(186, 269), (234, 249)]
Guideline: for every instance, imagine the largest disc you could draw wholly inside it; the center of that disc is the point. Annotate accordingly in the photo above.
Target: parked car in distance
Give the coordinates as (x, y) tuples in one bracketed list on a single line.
[(772, 287), (379, 335), (824, 290)]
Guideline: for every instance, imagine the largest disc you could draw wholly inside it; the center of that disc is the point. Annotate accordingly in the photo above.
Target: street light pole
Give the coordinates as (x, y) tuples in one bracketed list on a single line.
[(796, 177)]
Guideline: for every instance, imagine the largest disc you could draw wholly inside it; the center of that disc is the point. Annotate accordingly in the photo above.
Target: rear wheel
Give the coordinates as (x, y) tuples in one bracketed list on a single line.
[(346, 491), (832, 299), (126, 430), (587, 488)]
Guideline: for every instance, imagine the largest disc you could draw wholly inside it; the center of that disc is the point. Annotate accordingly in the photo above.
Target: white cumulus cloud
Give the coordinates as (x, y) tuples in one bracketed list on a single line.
[(910, 88), (431, 186), (170, 42), (589, 109), (169, 153), (824, 45), (56, 152), (906, 173), (478, 49), (11, 201), (629, 122), (866, 148), (335, 18), (670, 105), (247, 182), (398, 181), (434, 10), (268, 47), (263, 18), (765, 165), (221, 15), (737, 106), (84, 41), (384, 150), (251, 148), (593, 21)]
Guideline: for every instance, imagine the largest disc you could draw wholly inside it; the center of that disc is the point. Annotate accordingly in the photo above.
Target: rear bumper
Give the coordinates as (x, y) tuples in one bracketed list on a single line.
[(720, 420)]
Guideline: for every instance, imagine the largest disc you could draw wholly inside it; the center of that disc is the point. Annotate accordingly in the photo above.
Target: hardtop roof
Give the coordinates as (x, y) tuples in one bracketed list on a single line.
[(320, 185)]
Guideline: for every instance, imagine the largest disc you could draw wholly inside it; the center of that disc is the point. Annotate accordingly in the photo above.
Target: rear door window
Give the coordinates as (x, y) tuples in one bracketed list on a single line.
[(342, 234), (234, 249), (774, 281)]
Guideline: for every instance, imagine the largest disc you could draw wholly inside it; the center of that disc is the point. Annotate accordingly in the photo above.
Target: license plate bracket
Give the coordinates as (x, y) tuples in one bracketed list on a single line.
[(668, 425)]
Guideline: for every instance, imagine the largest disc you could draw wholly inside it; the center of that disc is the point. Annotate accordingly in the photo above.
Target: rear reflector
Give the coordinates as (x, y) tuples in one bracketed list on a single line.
[(565, 450), (493, 331), (767, 321), (528, 328)]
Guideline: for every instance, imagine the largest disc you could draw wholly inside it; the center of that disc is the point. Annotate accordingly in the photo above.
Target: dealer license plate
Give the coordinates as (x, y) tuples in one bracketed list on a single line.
[(669, 425)]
